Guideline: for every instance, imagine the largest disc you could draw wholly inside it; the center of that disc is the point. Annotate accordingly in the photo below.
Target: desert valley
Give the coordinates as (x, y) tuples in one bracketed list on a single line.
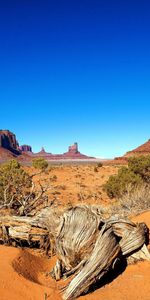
[(74, 150), (25, 266)]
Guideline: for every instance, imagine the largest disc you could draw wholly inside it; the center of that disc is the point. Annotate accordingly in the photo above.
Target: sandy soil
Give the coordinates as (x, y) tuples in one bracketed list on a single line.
[(76, 183)]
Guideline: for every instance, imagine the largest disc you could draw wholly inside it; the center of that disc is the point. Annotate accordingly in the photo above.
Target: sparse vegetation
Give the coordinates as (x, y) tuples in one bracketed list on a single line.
[(140, 166), (134, 176), (40, 163), (14, 181), (99, 164), (135, 201), (17, 189), (53, 178), (117, 185)]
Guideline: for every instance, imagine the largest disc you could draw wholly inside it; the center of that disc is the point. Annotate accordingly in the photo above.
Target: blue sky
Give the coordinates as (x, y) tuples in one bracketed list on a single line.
[(76, 70)]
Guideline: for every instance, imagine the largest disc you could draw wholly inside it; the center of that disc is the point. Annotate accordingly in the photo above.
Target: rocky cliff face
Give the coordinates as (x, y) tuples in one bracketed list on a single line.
[(143, 149), (72, 153), (9, 142), (73, 148), (10, 147), (25, 148)]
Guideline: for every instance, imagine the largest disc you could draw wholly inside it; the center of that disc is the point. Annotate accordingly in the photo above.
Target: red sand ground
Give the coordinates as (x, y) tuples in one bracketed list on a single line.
[(23, 277), (76, 183)]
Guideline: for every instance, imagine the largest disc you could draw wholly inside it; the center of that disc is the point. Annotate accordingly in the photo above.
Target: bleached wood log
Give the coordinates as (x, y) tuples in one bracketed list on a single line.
[(106, 249), (88, 246), (85, 245), (21, 229)]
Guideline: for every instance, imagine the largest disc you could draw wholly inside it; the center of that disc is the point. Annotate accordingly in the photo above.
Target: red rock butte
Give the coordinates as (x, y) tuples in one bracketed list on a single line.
[(72, 153), (8, 141), (143, 149), (9, 148), (25, 148)]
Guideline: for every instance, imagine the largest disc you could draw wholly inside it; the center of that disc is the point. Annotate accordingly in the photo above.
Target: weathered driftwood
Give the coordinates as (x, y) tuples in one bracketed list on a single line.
[(105, 251), (77, 234), (27, 228), (133, 236), (30, 231), (86, 246), (21, 229)]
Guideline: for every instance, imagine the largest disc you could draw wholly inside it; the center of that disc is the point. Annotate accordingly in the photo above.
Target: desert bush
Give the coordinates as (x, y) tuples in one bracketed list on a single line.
[(40, 163), (136, 200), (17, 190), (136, 174), (14, 181), (53, 178), (99, 165), (117, 185), (141, 166)]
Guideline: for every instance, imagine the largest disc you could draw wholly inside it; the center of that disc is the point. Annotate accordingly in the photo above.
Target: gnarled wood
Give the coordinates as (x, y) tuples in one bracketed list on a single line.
[(22, 229), (86, 246)]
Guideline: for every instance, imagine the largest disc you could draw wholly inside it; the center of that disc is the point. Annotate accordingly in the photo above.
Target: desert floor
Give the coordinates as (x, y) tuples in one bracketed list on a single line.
[(24, 272), (76, 183)]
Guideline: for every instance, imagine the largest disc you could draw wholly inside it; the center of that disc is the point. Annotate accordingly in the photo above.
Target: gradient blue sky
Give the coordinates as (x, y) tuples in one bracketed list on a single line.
[(76, 70)]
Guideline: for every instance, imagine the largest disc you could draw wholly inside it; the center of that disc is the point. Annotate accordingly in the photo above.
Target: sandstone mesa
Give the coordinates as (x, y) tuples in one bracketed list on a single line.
[(9, 148)]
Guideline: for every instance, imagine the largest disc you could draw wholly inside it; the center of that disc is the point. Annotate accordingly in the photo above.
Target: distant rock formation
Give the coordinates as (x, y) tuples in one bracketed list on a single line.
[(6, 155), (43, 153), (42, 149), (9, 142), (144, 149), (9, 147), (25, 148), (72, 153), (73, 148)]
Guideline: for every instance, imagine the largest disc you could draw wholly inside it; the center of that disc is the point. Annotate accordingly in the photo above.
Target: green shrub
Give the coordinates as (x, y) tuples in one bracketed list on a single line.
[(141, 166), (137, 173), (18, 192), (40, 163), (117, 185), (14, 182), (99, 165)]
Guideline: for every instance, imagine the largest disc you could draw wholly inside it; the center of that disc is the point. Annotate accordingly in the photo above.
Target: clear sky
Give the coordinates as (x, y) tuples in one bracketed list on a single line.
[(76, 70)]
